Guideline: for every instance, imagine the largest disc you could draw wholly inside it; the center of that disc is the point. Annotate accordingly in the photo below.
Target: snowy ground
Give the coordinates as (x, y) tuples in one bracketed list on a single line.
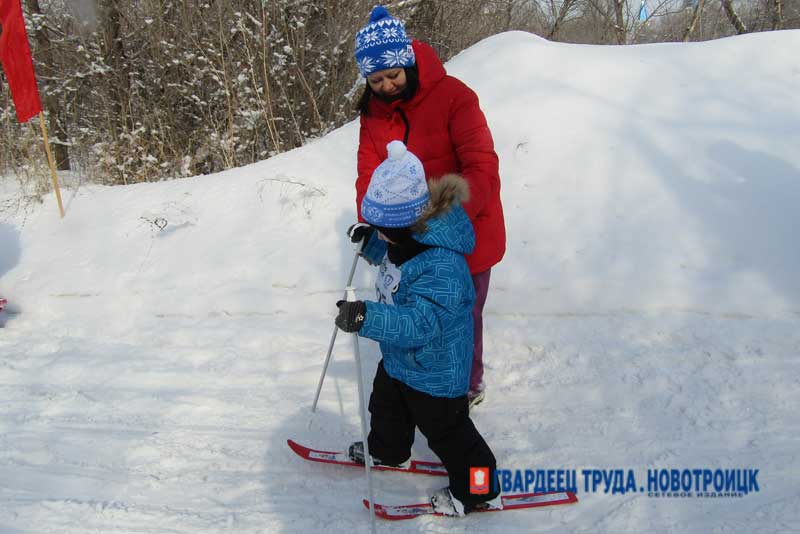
[(164, 340)]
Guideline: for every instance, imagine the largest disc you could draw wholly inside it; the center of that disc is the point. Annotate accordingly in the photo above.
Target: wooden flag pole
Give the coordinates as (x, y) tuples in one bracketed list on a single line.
[(51, 163)]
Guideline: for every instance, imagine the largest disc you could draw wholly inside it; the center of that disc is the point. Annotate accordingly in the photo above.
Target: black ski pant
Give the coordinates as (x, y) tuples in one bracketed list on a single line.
[(397, 408)]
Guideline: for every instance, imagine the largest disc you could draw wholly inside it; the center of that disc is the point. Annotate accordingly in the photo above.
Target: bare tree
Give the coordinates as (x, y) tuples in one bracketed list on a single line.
[(696, 12), (47, 72), (560, 13), (777, 14), (139, 90), (113, 43), (619, 21), (734, 19)]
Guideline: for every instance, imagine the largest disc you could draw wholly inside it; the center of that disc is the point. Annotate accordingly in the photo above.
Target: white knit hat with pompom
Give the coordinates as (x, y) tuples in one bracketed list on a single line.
[(397, 192)]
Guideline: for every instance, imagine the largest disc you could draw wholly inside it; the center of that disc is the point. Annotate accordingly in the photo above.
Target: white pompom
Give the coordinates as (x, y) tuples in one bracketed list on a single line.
[(396, 149)]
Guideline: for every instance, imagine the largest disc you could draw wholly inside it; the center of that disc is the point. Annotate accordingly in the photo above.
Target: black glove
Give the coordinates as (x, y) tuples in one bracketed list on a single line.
[(360, 232), (351, 315)]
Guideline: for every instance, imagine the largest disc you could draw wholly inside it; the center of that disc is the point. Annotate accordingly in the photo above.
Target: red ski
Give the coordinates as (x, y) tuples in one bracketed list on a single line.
[(341, 458), (3, 303), (510, 502)]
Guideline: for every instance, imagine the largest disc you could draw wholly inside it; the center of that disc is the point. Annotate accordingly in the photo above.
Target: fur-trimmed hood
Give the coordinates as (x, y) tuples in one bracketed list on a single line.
[(444, 223)]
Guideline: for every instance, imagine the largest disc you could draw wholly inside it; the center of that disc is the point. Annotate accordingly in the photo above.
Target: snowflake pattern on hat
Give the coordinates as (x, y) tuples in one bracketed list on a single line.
[(391, 33), (366, 65), (398, 58), (382, 44)]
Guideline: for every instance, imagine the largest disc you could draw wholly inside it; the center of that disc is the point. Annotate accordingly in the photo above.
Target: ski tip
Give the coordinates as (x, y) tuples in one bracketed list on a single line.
[(378, 507), (296, 447), (380, 511)]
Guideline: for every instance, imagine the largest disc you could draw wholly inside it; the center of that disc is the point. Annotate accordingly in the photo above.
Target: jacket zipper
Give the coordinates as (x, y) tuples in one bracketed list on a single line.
[(408, 126)]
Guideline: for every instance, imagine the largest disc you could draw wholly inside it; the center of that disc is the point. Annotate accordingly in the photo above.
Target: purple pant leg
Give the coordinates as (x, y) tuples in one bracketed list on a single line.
[(481, 283)]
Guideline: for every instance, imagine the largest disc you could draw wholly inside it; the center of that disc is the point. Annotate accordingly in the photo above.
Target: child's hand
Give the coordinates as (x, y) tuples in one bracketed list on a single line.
[(360, 232), (351, 315)]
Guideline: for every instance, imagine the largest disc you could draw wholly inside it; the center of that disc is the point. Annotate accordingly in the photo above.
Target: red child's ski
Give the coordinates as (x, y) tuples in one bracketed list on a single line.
[(510, 502), (341, 458)]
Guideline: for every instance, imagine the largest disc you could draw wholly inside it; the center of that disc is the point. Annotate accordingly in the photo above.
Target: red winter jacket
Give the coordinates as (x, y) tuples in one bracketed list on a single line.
[(447, 131)]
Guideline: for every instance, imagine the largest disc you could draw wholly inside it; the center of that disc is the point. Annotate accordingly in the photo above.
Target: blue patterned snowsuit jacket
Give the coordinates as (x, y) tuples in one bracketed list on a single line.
[(426, 335)]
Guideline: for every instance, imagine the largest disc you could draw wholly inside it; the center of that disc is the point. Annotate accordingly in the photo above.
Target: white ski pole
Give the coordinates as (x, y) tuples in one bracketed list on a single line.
[(335, 331), (351, 297)]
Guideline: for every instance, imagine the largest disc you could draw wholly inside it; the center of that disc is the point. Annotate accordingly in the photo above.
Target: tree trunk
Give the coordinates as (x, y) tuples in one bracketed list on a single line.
[(733, 17), (562, 14), (46, 66), (114, 53), (619, 22), (698, 9), (777, 15)]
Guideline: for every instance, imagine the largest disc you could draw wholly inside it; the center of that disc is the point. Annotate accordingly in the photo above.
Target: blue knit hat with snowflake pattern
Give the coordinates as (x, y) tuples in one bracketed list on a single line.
[(397, 192), (383, 44)]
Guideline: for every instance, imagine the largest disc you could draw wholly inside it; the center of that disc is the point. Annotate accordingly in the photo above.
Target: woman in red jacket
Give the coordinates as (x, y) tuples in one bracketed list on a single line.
[(410, 97)]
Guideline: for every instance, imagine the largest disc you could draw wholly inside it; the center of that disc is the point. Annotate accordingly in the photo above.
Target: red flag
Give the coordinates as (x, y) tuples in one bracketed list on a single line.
[(15, 54)]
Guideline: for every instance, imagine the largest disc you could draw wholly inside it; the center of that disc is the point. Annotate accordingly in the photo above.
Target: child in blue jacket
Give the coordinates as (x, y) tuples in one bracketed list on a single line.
[(418, 234)]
